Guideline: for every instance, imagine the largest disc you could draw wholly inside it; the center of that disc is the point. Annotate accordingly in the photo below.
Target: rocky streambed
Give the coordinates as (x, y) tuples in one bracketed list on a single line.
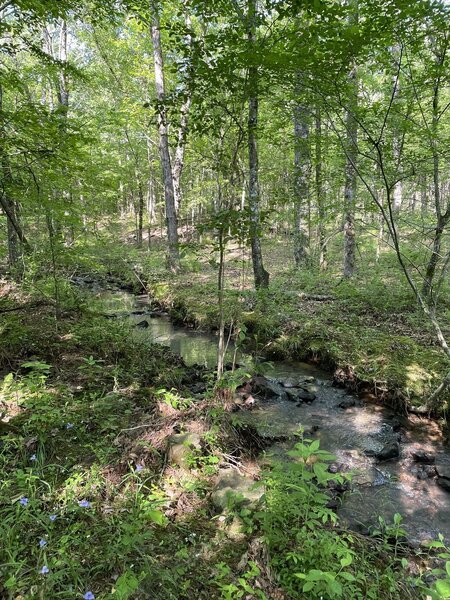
[(398, 464)]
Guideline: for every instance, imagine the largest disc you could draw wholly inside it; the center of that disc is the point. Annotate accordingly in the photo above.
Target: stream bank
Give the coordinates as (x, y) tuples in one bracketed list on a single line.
[(400, 464)]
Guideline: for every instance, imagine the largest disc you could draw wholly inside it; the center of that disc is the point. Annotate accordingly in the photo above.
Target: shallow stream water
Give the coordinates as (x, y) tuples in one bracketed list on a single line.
[(352, 435)]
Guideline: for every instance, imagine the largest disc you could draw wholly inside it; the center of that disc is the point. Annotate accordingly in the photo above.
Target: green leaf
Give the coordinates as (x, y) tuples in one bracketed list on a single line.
[(443, 587), (346, 561), (156, 516)]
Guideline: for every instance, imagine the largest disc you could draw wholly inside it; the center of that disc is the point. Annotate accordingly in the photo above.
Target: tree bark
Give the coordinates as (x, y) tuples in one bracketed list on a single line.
[(320, 193), (302, 169), (9, 207), (261, 276), (350, 178), (178, 161), (442, 219), (173, 256)]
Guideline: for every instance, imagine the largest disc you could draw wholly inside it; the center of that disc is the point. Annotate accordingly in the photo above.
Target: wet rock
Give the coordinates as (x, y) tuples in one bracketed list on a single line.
[(290, 383), (292, 394), (391, 450), (443, 469), (307, 379), (423, 457), (232, 488), (268, 389), (181, 447), (396, 424), (309, 387), (347, 403), (305, 396), (444, 483), (142, 324), (422, 474)]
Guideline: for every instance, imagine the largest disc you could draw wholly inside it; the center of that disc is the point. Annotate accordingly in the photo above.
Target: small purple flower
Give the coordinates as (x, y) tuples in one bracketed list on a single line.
[(84, 504), (23, 501), (69, 425), (33, 458), (42, 543), (52, 518), (89, 596), (44, 570), (139, 468)]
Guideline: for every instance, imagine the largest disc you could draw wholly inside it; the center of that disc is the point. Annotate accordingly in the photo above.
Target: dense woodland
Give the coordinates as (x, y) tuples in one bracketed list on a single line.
[(273, 172)]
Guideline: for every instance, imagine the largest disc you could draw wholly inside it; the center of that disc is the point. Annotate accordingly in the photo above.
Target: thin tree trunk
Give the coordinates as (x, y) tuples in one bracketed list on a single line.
[(140, 215), (9, 206), (320, 193), (220, 287), (302, 168), (423, 195), (173, 256), (178, 161), (442, 219), (397, 192), (261, 276), (350, 179)]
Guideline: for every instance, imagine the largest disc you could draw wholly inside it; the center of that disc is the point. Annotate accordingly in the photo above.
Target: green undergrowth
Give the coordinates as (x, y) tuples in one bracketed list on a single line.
[(83, 507), (92, 507), (370, 326)]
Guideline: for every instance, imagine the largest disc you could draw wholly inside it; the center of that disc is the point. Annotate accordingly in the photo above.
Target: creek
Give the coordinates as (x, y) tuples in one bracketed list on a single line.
[(354, 435)]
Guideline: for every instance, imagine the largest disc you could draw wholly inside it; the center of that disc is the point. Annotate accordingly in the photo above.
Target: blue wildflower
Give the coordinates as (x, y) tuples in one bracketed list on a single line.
[(69, 425), (42, 543), (84, 504), (44, 570), (89, 596), (139, 468), (52, 518), (33, 458), (23, 501)]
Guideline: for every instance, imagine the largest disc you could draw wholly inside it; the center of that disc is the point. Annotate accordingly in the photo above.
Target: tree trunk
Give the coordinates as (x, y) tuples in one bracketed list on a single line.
[(173, 256), (350, 178), (397, 192), (302, 168), (140, 215), (178, 161), (261, 276), (442, 219), (9, 206), (435, 255), (320, 192)]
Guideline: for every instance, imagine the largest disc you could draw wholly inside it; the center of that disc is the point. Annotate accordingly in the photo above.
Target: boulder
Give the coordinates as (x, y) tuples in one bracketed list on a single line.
[(443, 482), (232, 488), (309, 387), (268, 389), (181, 447), (306, 396), (389, 451), (423, 457), (443, 469), (290, 383)]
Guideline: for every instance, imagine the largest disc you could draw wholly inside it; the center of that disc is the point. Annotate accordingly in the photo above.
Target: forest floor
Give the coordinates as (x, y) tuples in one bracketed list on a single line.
[(92, 498)]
